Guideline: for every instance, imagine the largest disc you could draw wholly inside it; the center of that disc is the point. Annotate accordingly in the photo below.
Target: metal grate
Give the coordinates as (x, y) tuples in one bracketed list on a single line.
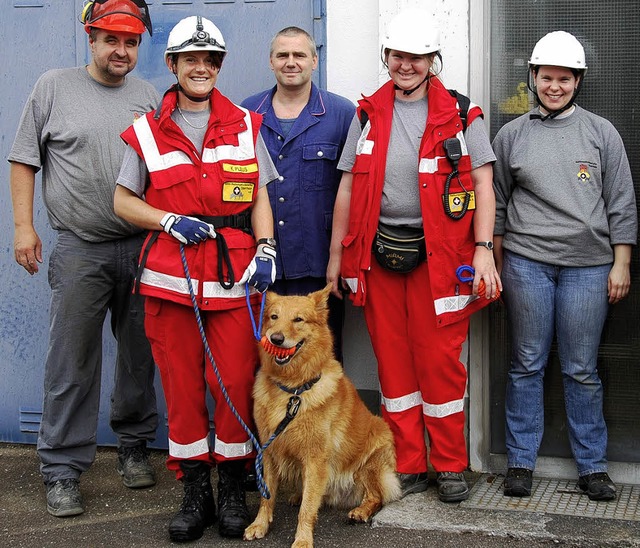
[(552, 496)]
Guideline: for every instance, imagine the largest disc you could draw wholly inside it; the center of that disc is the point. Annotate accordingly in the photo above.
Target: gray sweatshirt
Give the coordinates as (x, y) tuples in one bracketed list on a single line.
[(564, 193)]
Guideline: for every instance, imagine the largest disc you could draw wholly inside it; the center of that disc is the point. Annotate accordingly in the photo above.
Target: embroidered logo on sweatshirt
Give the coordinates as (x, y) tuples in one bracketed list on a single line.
[(584, 173)]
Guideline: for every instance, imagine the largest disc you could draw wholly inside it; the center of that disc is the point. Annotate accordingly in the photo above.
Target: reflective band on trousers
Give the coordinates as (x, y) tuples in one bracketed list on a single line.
[(230, 450), (438, 411), (396, 405), (189, 451)]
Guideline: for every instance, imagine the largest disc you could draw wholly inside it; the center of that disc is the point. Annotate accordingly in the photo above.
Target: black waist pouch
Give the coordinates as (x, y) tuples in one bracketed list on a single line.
[(399, 248)]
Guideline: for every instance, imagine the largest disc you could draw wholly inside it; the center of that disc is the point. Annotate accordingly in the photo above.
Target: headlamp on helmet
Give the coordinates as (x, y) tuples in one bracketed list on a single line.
[(195, 33)]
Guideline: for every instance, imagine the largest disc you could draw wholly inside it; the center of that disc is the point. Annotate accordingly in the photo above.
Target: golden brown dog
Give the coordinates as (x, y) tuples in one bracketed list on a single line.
[(333, 449)]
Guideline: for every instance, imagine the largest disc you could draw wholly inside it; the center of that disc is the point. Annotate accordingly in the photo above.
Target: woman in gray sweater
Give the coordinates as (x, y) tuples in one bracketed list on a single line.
[(565, 225)]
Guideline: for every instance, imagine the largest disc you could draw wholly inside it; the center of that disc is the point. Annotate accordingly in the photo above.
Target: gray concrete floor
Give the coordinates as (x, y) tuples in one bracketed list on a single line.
[(120, 517)]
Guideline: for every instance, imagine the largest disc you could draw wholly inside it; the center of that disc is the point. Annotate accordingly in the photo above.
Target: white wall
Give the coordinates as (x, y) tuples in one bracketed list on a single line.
[(354, 31)]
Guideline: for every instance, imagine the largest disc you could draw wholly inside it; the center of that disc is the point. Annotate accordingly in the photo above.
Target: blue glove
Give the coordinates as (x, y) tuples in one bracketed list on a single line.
[(187, 230), (261, 272)]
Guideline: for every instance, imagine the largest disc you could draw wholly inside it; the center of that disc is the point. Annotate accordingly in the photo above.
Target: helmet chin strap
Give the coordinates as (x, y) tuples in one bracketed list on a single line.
[(553, 113), (192, 98), (408, 92)]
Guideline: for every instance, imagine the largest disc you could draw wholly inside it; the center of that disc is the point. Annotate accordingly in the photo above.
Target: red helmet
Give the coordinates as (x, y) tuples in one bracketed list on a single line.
[(117, 15)]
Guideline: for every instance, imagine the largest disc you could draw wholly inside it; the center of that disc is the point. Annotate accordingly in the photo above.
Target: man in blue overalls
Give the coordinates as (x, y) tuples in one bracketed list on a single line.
[(305, 129)]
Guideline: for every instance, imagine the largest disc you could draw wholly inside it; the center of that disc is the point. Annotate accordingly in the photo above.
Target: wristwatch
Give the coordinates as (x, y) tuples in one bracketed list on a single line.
[(271, 242), (488, 245)]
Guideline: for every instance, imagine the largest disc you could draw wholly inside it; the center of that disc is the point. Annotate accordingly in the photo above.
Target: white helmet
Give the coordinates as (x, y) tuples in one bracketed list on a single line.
[(414, 31), (559, 49), (195, 33)]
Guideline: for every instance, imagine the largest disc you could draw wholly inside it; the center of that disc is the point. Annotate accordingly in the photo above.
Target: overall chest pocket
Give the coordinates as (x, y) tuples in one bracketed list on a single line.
[(318, 166)]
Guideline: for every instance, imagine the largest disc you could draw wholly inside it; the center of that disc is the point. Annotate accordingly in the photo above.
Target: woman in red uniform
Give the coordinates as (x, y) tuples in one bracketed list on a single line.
[(206, 196), (417, 166)]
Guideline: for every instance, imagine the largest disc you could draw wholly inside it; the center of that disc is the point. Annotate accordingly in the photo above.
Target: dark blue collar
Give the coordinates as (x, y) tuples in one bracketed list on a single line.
[(300, 389)]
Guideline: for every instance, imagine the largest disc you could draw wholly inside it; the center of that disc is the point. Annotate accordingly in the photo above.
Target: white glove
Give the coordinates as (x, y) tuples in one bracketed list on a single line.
[(261, 272), (187, 230)]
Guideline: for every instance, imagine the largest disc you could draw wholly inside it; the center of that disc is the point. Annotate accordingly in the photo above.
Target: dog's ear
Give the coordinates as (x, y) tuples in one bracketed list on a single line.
[(271, 297), (321, 298)]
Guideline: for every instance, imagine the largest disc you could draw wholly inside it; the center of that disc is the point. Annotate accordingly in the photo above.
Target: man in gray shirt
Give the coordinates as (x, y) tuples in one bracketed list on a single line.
[(71, 128)]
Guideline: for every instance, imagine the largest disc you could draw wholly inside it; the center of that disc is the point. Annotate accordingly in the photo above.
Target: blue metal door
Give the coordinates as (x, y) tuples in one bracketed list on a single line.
[(38, 35)]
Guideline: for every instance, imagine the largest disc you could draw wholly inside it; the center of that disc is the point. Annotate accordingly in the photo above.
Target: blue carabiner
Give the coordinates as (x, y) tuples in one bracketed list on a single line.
[(460, 273)]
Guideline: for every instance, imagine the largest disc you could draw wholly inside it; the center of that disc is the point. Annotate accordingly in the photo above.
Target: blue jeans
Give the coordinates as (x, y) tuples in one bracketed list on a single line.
[(540, 299)]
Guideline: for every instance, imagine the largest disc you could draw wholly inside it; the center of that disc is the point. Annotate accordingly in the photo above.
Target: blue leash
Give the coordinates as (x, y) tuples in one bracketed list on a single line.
[(291, 409), (256, 329), (460, 273)]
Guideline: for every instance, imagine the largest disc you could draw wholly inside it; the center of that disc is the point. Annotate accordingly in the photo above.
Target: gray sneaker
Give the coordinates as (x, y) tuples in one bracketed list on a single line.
[(452, 487), (63, 498), (134, 466)]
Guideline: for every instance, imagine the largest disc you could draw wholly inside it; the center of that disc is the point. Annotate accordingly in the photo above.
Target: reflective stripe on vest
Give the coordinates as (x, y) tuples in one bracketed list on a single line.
[(430, 165), (243, 151), (158, 162), (453, 303), (364, 145), (159, 280), (152, 157)]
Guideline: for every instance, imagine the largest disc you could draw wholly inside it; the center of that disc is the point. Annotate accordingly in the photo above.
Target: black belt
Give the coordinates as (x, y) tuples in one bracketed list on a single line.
[(241, 221)]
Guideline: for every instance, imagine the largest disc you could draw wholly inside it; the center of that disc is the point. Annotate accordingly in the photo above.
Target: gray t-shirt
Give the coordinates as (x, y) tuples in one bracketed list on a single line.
[(400, 204), (70, 127), (564, 192), (133, 172)]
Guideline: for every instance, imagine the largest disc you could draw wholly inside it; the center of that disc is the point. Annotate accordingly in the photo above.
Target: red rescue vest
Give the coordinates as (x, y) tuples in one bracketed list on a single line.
[(450, 243), (220, 180)]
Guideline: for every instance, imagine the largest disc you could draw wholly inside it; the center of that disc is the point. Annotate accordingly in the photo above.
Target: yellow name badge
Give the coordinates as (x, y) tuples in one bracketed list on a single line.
[(237, 192), (457, 199), (233, 168)]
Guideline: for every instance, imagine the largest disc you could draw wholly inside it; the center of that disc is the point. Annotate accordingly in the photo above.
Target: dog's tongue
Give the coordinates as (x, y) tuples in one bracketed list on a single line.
[(274, 350)]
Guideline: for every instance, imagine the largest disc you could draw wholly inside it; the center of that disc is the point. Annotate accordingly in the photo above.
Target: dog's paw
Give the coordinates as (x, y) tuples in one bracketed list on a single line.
[(255, 531), (359, 515)]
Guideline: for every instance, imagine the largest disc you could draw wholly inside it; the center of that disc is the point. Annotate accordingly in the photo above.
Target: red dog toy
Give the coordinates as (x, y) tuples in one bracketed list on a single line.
[(274, 350)]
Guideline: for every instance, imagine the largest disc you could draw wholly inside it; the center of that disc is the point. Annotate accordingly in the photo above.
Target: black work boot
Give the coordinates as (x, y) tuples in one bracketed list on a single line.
[(413, 483), (234, 515), (198, 509), (134, 466), (598, 486)]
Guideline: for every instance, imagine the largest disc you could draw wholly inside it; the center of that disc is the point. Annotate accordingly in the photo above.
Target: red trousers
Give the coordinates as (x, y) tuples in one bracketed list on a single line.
[(422, 379), (185, 371)]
